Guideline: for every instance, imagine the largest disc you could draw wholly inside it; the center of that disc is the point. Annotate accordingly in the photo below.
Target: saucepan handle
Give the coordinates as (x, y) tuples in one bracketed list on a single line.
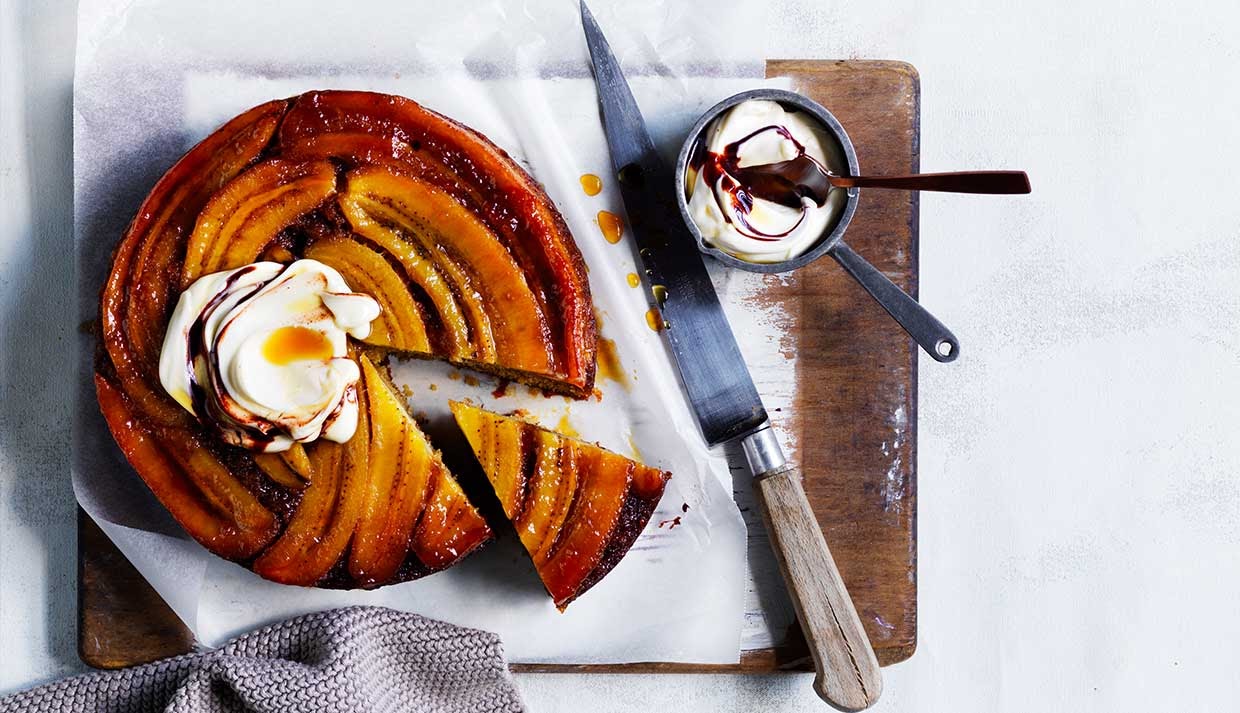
[(936, 339)]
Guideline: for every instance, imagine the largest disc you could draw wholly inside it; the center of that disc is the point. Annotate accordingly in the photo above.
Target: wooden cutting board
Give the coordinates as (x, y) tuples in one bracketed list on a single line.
[(853, 413)]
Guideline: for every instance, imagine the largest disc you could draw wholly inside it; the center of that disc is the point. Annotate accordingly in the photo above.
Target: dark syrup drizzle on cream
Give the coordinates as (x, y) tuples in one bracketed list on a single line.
[(207, 406), (787, 183), (255, 433)]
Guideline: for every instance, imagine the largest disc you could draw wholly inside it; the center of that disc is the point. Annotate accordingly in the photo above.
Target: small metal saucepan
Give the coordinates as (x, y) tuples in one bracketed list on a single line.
[(936, 339)]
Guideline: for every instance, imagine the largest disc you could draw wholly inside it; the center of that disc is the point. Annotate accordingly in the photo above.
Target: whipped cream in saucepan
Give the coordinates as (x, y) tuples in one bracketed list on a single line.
[(756, 183), (260, 353)]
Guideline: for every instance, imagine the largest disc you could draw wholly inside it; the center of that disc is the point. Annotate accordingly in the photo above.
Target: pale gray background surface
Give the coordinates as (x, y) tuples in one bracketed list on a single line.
[(1079, 465)]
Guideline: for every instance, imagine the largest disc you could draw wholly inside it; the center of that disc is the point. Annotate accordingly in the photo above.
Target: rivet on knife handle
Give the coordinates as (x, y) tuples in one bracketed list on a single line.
[(848, 675)]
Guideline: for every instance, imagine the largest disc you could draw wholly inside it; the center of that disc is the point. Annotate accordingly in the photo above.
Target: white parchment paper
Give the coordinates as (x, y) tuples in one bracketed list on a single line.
[(154, 77)]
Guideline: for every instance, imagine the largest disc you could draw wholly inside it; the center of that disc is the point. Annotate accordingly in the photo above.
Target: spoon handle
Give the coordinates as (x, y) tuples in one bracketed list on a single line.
[(956, 182), (936, 339)]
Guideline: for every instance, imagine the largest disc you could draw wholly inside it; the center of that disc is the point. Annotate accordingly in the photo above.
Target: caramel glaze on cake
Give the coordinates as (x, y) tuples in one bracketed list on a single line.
[(577, 507), (469, 260)]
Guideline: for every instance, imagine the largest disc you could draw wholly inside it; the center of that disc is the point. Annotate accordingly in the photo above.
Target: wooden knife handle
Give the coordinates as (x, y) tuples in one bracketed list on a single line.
[(848, 674)]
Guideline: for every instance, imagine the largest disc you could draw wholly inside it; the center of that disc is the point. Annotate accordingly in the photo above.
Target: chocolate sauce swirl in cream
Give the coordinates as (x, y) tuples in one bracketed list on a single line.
[(757, 182), (260, 354)]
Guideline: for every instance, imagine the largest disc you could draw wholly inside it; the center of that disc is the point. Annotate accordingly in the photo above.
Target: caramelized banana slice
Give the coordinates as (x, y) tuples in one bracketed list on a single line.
[(491, 286), (320, 530), (297, 460), (202, 496), (553, 485), (456, 332), (402, 462), (248, 213), (601, 494), (278, 469), (450, 527), (401, 324), (502, 447)]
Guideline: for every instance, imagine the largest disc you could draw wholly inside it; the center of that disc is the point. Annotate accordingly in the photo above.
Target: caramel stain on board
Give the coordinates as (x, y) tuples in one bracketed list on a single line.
[(565, 427), (654, 320), (455, 376), (633, 279), (470, 380), (502, 389), (671, 524), (591, 184), (612, 226), (609, 362)]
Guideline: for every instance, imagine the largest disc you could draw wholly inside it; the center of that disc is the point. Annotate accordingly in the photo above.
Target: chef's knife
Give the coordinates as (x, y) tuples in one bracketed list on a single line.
[(722, 393)]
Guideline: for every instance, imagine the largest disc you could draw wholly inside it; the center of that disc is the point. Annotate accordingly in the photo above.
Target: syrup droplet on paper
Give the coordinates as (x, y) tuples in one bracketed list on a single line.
[(566, 427), (612, 226), (591, 184), (609, 361), (654, 320)]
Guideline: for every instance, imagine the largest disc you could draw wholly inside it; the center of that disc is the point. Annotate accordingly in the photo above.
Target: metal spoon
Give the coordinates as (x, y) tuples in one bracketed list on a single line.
[(803, 173)]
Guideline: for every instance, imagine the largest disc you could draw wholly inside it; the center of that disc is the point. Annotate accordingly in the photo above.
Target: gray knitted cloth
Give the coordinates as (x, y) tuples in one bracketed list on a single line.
[(346, 660)]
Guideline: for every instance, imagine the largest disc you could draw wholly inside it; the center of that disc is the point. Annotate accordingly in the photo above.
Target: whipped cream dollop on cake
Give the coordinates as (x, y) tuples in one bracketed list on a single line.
[(261, 354), (757, 184)]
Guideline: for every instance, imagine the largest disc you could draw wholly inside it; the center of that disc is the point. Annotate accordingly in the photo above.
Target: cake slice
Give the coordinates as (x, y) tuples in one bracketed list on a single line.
[(577, 507)]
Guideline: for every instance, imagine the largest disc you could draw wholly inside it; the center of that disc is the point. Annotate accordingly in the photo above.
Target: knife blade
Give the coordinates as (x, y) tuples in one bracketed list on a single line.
[(722, 394), (714, 374)]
